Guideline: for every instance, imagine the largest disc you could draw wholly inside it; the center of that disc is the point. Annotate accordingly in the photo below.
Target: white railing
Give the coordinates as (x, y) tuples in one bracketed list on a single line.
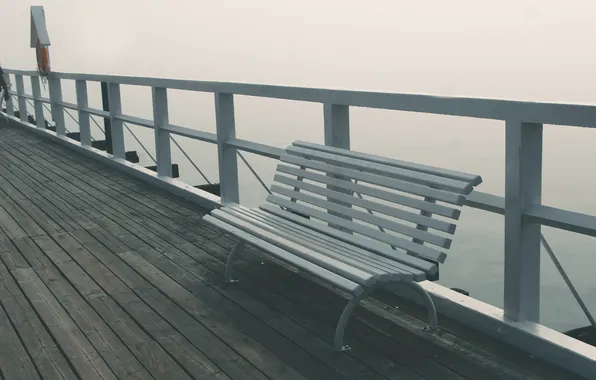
[(521, 206)]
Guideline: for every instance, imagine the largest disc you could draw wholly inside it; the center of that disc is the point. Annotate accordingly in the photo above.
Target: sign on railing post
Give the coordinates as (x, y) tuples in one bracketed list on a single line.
[(56, 105), (162, 137), (82, 105), (523, 187), (116, 124), (228, 161), (37, 103), (21, 97)]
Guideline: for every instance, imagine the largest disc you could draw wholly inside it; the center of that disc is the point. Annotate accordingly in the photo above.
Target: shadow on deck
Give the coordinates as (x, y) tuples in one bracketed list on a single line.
[(103, 276)]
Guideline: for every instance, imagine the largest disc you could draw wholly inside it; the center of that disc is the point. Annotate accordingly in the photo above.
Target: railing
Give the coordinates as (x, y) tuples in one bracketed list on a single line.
[(524, 213)]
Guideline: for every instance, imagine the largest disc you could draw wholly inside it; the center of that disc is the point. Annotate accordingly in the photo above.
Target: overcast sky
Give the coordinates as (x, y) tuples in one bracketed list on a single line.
[(501, 48)]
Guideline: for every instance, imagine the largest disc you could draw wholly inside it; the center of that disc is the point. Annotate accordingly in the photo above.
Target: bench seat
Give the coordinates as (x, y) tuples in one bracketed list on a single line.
[(354, 220)]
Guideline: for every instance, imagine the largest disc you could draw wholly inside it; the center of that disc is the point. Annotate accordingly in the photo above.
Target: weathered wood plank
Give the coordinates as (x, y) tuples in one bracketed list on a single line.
[(83, 356)]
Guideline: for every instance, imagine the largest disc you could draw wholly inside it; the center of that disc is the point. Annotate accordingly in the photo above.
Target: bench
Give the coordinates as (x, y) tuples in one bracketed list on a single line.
[(353, 220)]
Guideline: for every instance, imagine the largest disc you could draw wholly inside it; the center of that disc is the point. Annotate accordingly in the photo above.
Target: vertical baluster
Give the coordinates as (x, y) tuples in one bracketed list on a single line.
[(9, 103), (523, 186), (116, 125), (162, 137), (56, 105), (21, 97), (37, 103), (228, 162), (82, 105), (337, 134)]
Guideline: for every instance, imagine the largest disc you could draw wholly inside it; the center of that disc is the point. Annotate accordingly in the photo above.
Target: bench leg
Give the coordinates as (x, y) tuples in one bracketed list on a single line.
[(432, 311), (229, 263), (343, 321)]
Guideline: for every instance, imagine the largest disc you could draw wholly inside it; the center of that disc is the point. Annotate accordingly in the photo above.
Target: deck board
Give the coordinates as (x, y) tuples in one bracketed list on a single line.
[(106, 277)]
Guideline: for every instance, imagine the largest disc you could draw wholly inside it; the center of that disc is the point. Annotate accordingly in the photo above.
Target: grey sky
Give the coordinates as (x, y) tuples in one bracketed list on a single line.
[(500, 48)]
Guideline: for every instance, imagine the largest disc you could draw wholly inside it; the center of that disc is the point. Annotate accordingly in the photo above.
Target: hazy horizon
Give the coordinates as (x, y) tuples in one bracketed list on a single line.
[(530, 50)]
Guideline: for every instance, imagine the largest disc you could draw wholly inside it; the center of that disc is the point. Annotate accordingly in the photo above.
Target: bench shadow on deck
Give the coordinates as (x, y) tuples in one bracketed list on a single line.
[(103, 276)]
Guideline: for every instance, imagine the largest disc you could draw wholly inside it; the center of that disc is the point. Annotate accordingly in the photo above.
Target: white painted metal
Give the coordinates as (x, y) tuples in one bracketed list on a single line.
[(115, 123), (37, 103), (228, 161), (162, 137), (21, 96), (38, 27), (136, 120), (523, 187), (84, 118), (55, 102), (192, 133), (495, 109)]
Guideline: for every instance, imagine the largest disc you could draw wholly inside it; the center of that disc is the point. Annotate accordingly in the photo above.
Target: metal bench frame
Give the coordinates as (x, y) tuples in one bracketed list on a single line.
[(350, 255)]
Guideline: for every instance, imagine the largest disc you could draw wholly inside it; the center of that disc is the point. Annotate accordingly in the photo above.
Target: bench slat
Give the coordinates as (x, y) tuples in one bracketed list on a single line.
[(395, 212), (418, 204), (369, 257), (366, 244), (338, 267), (385, 170), (447, 173), (396, 241), (405, 186), (307, 241), (365, 257), (307, 266), (363, 216)]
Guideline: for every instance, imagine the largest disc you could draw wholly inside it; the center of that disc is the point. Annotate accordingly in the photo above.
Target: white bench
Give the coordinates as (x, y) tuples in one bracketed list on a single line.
[(353, 220)]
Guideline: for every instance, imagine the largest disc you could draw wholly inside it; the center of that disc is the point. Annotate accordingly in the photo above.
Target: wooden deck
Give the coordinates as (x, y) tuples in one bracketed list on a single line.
[(103, 276)]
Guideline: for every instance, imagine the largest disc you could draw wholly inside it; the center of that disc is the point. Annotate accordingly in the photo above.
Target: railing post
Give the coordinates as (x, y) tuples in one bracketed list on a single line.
[(337, 125), (228, 162), (56, 105), (37, 103), (82, 105), (523, 187), (116, 125), (9, 104), (21, 97), (337, 134), (162, 137)]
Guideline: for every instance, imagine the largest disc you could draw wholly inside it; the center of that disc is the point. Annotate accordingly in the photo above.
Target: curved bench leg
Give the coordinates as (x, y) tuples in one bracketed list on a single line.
[(343, 321), (231, 257), (432, 311)]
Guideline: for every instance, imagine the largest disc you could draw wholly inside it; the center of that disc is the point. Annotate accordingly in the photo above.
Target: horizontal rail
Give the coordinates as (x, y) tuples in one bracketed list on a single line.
[(257, 148), (136, 120), (191, 133), (96, 112), (68, 105), (494, 109), (562, 219), (44, 100)]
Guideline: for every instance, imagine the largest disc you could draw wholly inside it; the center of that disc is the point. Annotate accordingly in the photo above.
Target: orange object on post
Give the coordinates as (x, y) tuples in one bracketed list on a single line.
[(43, 59)]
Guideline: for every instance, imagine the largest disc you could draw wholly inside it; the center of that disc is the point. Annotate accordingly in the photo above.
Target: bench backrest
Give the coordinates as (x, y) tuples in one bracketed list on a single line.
[(399, 203)]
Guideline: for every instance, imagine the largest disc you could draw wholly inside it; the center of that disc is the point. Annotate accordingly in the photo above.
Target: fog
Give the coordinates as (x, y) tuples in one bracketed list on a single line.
[(513, 49)]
